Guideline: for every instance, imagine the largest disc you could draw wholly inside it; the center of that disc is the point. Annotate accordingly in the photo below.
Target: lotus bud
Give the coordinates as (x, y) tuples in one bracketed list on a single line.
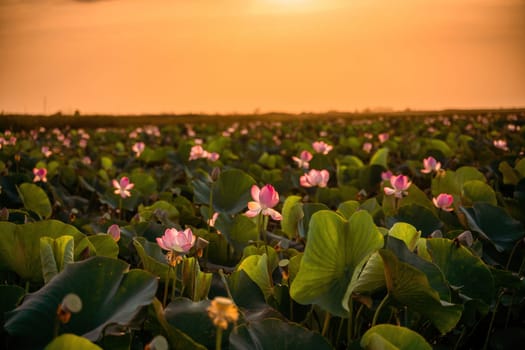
[(4, 214), (71, 304), (465, 238), (436, 234), (215, 173)]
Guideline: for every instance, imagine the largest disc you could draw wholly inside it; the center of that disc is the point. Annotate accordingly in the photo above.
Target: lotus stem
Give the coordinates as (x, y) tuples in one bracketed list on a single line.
[(166, 285), (492, 319), (512, 254), (326, 323), (218, 338), (379, 307), (174, 285), (223, 278)]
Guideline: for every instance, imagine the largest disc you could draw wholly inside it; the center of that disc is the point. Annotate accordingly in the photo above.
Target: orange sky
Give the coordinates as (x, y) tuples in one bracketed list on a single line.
[(222, 56)]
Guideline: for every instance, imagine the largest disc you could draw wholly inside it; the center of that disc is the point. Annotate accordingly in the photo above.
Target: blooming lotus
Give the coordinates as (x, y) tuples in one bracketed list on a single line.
[(501, 144), (138, 148), (303, 161), (367, 147), (46, 151), (430, 164), (386, 175), (123, 187), (40, 174), (383, 137), (198, 152), (444, 201), (315, 178), (177, 241), (264, 199), (322, 147), (400, 185)]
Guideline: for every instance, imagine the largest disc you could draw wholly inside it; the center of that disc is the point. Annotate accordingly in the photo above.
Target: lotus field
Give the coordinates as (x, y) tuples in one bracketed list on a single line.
[(344, 233)]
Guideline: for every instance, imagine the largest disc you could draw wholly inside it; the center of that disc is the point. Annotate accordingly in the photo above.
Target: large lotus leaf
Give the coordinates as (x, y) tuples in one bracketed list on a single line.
[(419, 216), (201, 189), (439, 145), (245, 292), (520, 168), (494, 224), (510, 175), (415, 197), (35, 200), (104, 245), (110, 294), (348, 208), (71, 341), (231, 192), (273, 333), (196, 283), (380, 158), (372, 278), (369, 176), (292, 213), (20, 245), (309, 209), (468, 173), (55, 254), (177, 339), (238, 230), (144, 183), (445, 182), (463, 270), (478, 191), (192, 318), (10, 296), (390, 337), (335, 252), (408, 286), (152, 258), (160, 210), (256, 267)]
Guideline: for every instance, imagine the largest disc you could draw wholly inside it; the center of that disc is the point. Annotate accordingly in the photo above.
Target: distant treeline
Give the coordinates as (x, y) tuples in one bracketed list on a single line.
[(24, 121)]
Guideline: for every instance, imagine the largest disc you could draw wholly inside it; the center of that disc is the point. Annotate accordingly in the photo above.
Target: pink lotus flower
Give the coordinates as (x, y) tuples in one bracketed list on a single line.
[(303, 161), (322, 147), (383, 137), (444, 201), (40, 174), (430, 164), (138, 148), (386, 175), (211, 221), (123, 187), (264, 199), (501, 144), (400, 185), (178, 241), (315, 178), (46, 151), (213, 156), (114, 232), (367, 147), (198, 152)]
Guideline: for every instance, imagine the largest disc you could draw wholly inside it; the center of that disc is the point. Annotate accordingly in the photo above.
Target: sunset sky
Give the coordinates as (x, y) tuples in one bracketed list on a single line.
[(224, 56)]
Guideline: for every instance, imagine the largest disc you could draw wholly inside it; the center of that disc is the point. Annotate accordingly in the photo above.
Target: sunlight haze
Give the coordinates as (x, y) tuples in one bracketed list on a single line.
[(225, 56)]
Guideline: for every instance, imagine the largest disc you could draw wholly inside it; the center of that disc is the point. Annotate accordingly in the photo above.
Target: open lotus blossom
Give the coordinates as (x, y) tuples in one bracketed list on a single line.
[(138, 148), (264, 199), (444, 201), (322, 147), (367, 147), (315, 178), (177, 241), (303, 161), (430, 164), (198, 152), (40, 174), (114, 232), (400, 185), (123, 187), (46, 151)]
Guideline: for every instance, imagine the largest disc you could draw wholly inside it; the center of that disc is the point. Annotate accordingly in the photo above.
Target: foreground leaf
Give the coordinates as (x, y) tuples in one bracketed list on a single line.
[(387, 336)]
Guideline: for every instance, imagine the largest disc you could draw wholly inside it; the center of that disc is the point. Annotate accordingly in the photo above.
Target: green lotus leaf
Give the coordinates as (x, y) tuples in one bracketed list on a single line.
[(468, 173), (192, 318), (196, 283), (238, 230), (10, 296), (335, 252), (478, 191), (380, 157), (55, 254), (231, 192), (439, 145), (420, 217), (273, 333), (144, 183), (110, 294), (256, 268), (292, 214), (35, 199), (71, 341), (152, 258), (309, 209), (160, 210), (494, 224), (348, 208), (510, 175), (445, 182), (20, 246), (177, 339), (408, 286), (104, 245), (520, 168), (463, 270), (387, 336)]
